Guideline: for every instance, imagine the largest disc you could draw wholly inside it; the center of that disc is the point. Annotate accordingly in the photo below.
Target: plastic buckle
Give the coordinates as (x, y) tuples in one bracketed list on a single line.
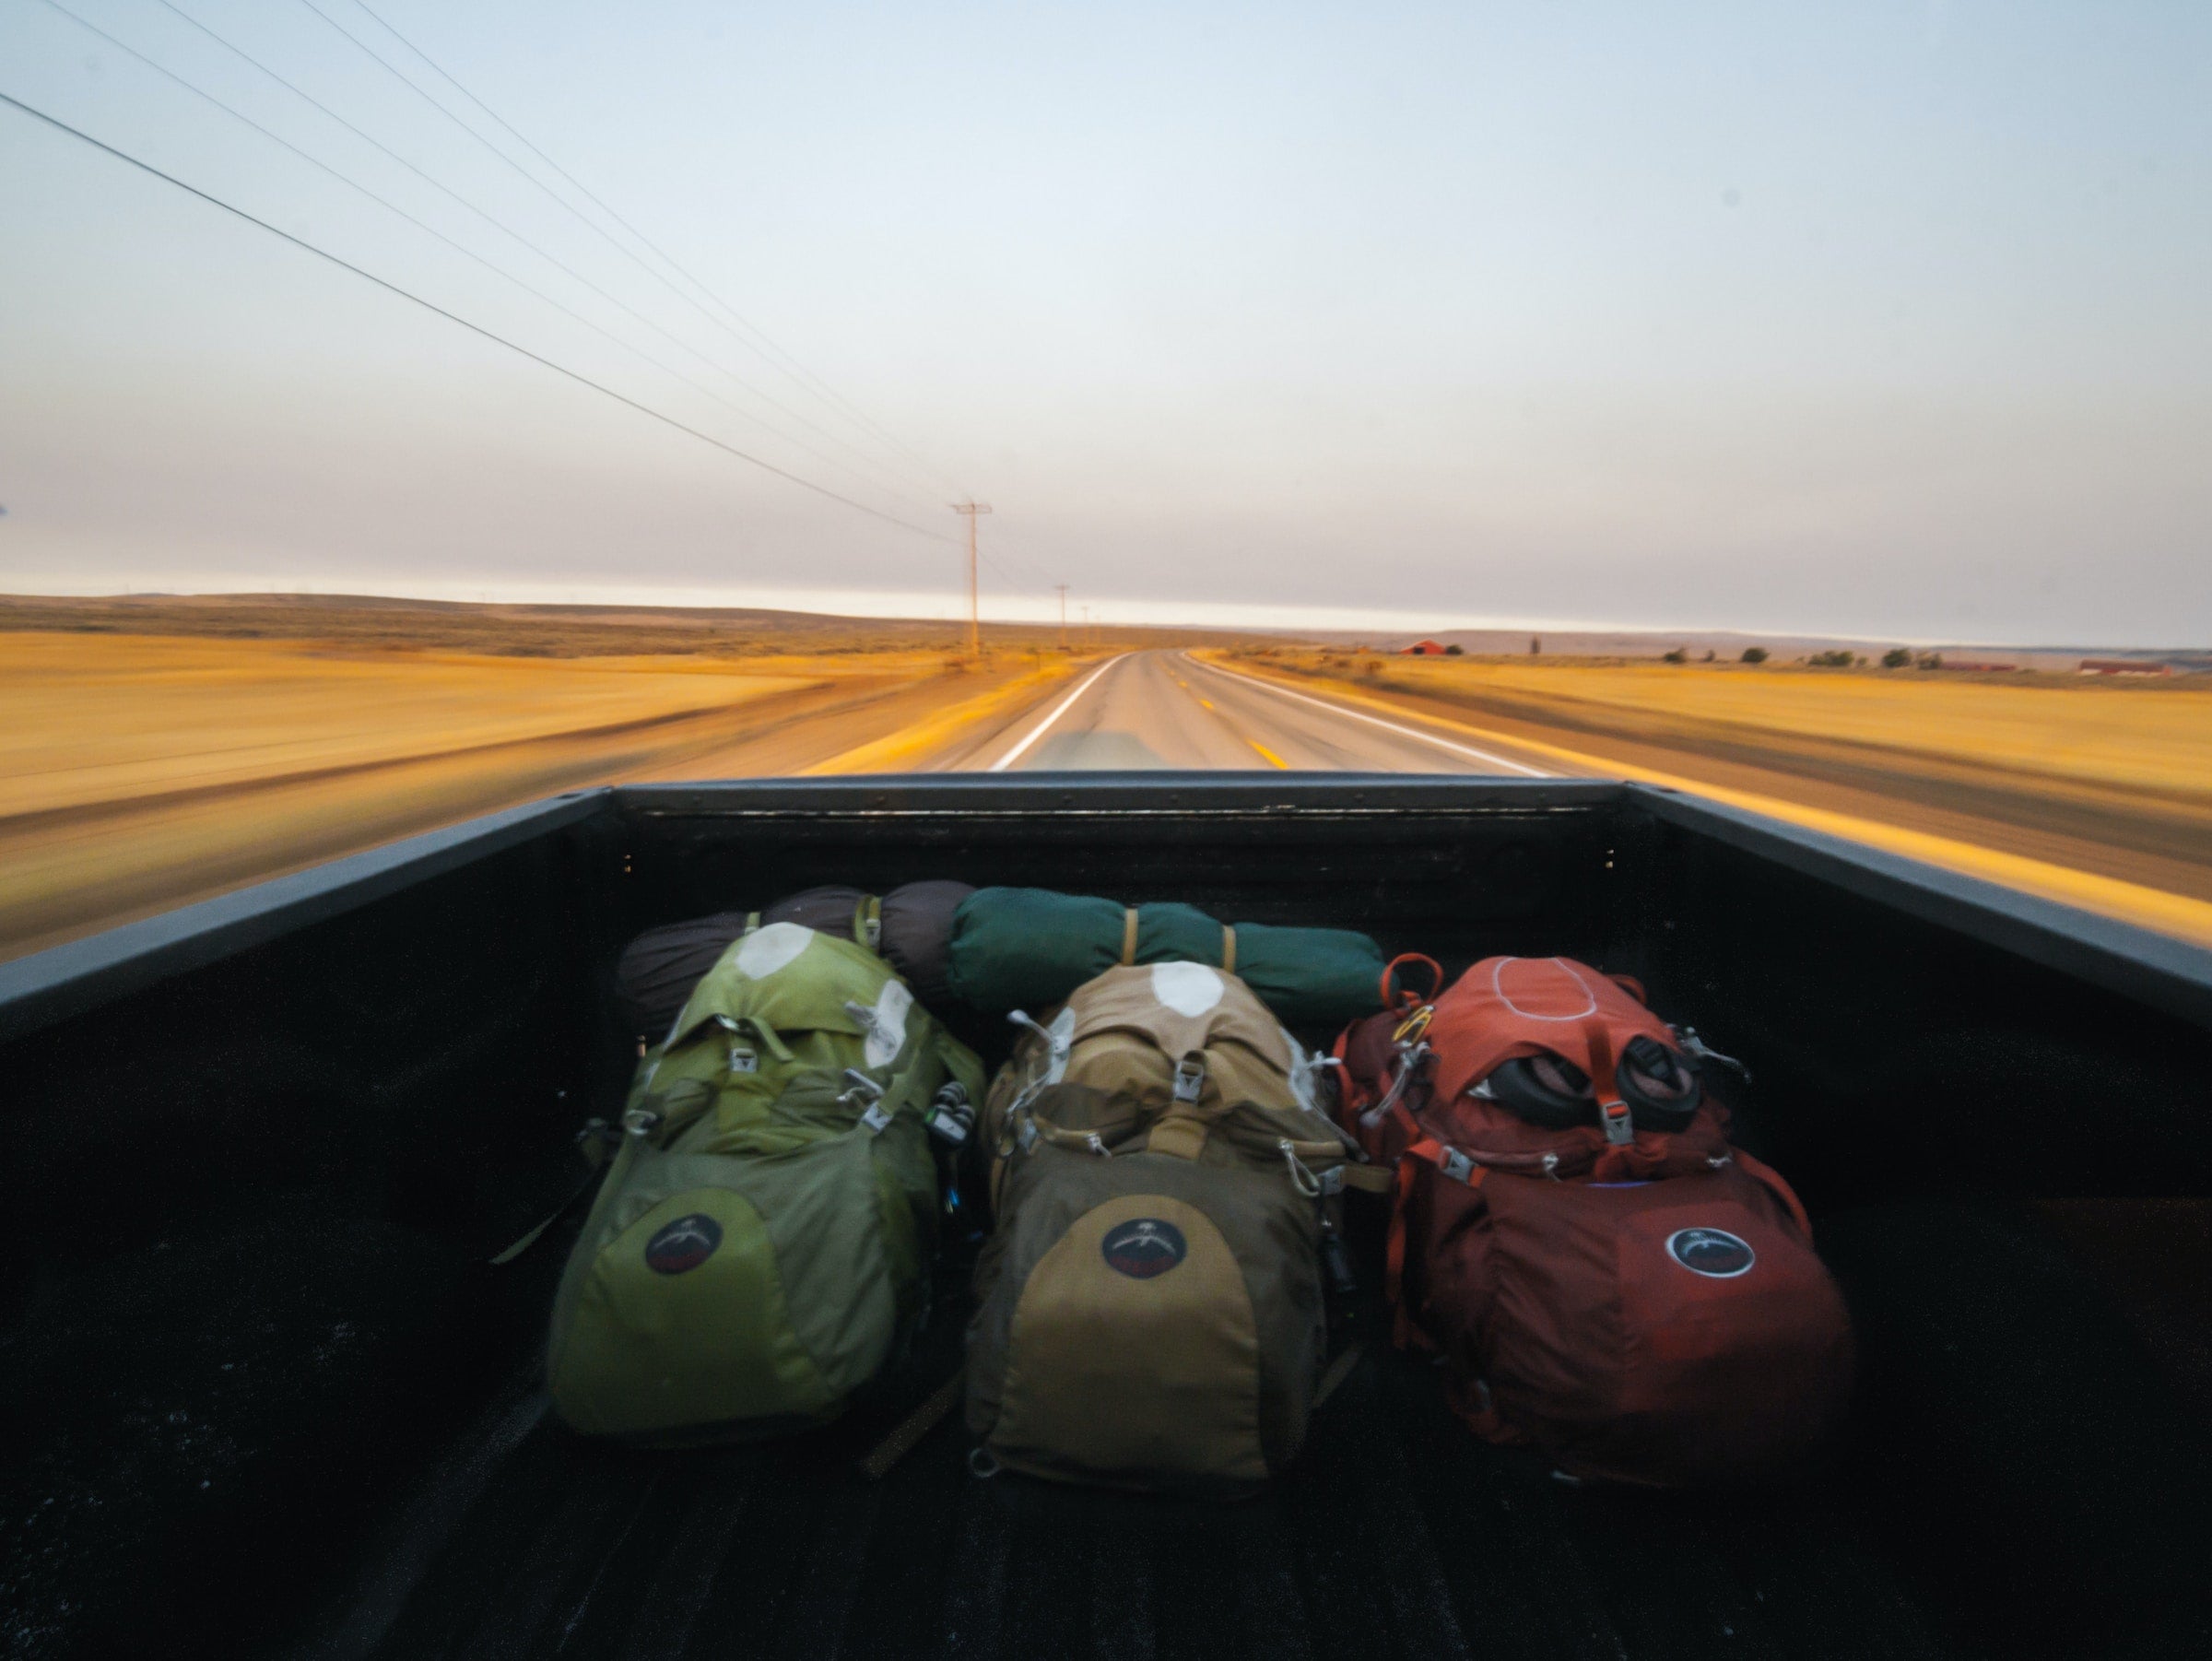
[(1620, 1128), (860, 1088), (950, 1117), (1457, 1166), (1190, 1078), (743, 1060), (1332, 1181)]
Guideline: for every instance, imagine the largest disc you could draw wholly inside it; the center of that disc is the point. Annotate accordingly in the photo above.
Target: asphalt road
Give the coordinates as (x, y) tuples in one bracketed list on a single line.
[(1161, 709)]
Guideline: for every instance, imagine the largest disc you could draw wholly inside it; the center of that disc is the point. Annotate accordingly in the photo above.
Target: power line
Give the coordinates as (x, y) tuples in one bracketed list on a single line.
[(397, 72), (1036, 570), (512, 235), (473, 328), (431, 231), (765, 347)]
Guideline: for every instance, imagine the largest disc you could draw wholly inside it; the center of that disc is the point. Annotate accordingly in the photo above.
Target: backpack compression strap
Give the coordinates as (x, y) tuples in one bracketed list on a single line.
[(1459, 1169)]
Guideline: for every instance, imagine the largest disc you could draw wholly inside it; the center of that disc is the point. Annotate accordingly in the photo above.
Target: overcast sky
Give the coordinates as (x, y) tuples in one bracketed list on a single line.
[(1881, 319)]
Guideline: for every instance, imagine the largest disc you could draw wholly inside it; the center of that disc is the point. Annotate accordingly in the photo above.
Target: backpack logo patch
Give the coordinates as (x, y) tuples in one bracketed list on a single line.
[(1144, 1248), (1713, 1253), (683, 1245)]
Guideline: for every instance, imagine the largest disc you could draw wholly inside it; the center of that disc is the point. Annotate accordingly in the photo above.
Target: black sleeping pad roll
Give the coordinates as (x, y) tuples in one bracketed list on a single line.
[(829, 910), (917, 936), (657, 970)]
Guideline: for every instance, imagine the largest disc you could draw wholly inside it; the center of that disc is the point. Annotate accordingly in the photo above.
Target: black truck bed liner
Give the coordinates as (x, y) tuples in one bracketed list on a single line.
[(1397, 1534)]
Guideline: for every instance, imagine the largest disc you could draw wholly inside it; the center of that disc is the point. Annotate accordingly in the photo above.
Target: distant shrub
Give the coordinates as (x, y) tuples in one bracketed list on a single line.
[(1831, 660), (1897, 657), (1755, 654), (1455, 650), (1932, 661), (1680, 655)]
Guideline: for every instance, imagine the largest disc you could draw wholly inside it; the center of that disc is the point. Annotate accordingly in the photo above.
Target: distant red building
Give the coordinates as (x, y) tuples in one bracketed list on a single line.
[(2121, 665), (1423, 649), (1969, 666)]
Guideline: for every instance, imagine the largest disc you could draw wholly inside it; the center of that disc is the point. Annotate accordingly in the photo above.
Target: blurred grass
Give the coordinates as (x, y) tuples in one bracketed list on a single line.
[(2148, 734), (139, 772), (92, 718), (2096, 793)]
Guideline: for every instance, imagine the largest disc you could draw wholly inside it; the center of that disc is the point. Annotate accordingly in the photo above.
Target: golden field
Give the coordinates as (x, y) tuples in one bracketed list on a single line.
[(2139, 735), (2094, 792), (141, 772), (97, 718)]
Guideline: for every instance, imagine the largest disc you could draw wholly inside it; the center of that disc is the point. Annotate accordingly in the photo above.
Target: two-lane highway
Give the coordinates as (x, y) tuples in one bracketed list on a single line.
[(1164, 709)]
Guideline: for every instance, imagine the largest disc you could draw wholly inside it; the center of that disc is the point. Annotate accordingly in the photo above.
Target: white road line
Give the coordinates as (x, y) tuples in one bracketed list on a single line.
[(1337, 709), (1044, 726)]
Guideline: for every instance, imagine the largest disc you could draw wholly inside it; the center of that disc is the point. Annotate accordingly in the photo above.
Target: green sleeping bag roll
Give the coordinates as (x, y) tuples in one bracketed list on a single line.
[(1028, 947)]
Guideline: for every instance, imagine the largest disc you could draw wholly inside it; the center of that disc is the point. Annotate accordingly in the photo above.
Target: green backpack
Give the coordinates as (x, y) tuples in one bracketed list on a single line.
[(759, 1248)]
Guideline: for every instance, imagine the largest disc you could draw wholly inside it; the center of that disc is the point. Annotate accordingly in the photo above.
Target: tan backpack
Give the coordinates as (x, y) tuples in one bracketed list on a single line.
[(1151, 1309)]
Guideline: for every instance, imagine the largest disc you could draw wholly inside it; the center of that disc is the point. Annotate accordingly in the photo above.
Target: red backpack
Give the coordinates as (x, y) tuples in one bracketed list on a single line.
[(1604, 1273)]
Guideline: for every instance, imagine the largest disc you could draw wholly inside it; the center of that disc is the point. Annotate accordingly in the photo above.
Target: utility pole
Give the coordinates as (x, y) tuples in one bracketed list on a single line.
[(969, 509), (1062, 588)]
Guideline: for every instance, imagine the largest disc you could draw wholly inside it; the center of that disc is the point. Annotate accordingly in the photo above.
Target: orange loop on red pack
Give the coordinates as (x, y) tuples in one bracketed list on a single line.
[(1397, 997)]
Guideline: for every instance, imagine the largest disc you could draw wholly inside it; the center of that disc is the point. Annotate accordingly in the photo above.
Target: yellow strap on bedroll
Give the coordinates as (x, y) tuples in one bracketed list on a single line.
[(868, 921), (1229, 948), (1128, 934)]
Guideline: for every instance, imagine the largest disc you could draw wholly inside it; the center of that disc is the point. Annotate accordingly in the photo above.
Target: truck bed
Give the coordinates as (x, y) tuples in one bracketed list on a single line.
[(1397, 1532)]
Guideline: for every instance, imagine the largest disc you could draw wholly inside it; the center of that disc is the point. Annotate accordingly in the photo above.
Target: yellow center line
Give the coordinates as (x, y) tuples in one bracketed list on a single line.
[(1208, 702), (1265, 751)]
